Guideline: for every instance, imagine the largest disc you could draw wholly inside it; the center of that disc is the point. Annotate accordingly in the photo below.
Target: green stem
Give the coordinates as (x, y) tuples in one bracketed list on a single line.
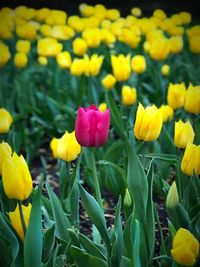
[(95, 178), (22, 217)]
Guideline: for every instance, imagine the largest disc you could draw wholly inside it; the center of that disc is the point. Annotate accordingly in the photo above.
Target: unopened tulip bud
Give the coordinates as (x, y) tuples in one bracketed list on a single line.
[(172, 197)]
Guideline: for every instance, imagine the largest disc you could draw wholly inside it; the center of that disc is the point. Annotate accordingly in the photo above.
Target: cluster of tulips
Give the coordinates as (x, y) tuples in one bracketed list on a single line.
[(116, 102)]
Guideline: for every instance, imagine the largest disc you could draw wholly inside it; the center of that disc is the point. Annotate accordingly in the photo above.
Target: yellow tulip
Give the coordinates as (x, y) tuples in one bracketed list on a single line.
[(64, 59), (20, 60), (186, 17), (167, 112), (148, 123), (5, 152), (176, 95), (102, 107), (92, 37), (25, 12), (62, 32), (121, 67), (16, 219), (66, 148), (93, 64), (56, 17), (77, 67), (16, 178), (159, 49), (42, 61), (136, 11), (48, 47), (5, 120), (183, 134), (4, 54), (41, 14), (23, 46), (108, 81), (129, 95), (191, 160), (86, 10), (165, 70), (194, 44), (185, 248), (192, 99), (112, 14), (176, 44), (160, 14), (26, 31), (172, 197), (138, 64), (79, 46)]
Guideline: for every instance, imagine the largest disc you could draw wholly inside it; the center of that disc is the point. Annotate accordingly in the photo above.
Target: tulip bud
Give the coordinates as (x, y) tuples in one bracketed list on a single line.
[(191, 160), (5, 152), (5, 120), (77, 67), (79, 46), (129, 95), (192, 99), (23, 46), (102, 107), (165, 70), (138, 64), (159, 49), (92, 126), (176, 95), (42, 61), (136, 11), (127, 199), (121, 67), (4, 54), (185, 248), (172, 197), (66, 148), (108, 81), (64, 59), (167, 112), (20, 60), (15, 174), (16, 219), (183, 134), (148, 123)]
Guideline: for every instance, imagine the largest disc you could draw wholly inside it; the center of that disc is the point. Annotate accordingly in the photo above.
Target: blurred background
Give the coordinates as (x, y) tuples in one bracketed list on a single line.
[(170, 7)]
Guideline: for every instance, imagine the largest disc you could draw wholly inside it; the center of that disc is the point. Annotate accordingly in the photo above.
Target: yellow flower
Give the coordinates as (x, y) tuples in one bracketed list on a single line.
[(172, 197), (86, 10), (176, 30), (129, 95), (159, 49), (64, 59), (165, 70), (48, 47), (4, 54), (191, 160), (46, 30), (148, 123), (26, 31), (183, 134), (16, 175), (138, 64), (185, 248), (77, 67), (23, 46), (56, 17), (176, 95), (41, 14), (5, 152), (121, 67), (92, 37), (112, 14), (108, 81), (62, 32), (194, 44), (186, 17), (167, 112), (20, 60), (5, 120), (16, 219), (25, 12), (176, 44), (93, 64), (66, 148), (102, 107), (136, 11), (43, 61), (192, 99), (79, 46), (160, 14)]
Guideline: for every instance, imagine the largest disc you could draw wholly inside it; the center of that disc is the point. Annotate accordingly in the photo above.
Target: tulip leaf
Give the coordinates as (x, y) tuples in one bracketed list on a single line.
[(83, 259), (136, 232), (61, 220), (49, 242), (8, 242), (171, 158), (34, 239), (96, 215)]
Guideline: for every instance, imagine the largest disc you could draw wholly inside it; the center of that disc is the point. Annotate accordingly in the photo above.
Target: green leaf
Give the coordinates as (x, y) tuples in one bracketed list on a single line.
[(137, 244), (137, 183), (34, 238), (96, 215), (49, 242), (171, 158), (8, 239), (128, 241), (116, 255), (61, 220), (83, 259)]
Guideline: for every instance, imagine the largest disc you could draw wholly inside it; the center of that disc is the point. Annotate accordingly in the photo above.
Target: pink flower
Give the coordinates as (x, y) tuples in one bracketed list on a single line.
[(92, 126)]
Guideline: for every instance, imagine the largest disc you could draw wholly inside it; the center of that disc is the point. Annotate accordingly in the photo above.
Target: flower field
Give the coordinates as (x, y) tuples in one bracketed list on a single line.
[(115, 102)]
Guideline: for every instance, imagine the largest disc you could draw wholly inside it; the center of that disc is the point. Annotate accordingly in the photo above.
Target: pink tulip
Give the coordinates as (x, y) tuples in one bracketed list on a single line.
[(92, 126)]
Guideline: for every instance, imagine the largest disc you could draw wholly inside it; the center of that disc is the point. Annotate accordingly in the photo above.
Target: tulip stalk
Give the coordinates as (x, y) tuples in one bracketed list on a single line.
[(22, 217)]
